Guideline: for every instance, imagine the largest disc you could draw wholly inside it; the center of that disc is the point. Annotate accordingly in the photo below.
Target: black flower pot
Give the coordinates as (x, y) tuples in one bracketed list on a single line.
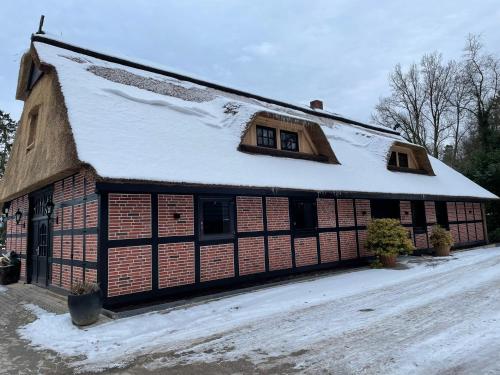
[(85, 309), (9, 274)]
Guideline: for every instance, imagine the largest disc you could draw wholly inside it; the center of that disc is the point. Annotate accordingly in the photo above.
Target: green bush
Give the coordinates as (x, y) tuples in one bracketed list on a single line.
[(388, 237), (440, 237)]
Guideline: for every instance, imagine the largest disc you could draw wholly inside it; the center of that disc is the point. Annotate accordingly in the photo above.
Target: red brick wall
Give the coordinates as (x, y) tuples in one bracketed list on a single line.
[(129, 216), (249, 214), (129, 270), (168, 207), (430, 212), (176, 264), (452, 211), (363, 212), (17, 234), (280, 252), (471, 228), (217, 262), (460, 211), (477, 211), (454, 233), (326, 213), (462, 228), (363, 252), (405, 212), (469, 211), (84, 215), (480, 231), (277, 213), (328, 247), (421, 241), (348, 247), (251, 255), (346, 212), (306, 251)]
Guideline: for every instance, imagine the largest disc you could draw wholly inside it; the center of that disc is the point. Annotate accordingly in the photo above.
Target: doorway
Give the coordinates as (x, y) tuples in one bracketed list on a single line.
[(39, 239)]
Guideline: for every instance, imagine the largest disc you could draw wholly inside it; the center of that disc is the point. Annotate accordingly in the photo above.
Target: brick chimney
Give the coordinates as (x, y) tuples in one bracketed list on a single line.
[(316, 104)]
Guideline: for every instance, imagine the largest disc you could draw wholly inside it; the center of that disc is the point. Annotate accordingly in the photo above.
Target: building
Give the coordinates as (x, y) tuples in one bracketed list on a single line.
[(156, 184)]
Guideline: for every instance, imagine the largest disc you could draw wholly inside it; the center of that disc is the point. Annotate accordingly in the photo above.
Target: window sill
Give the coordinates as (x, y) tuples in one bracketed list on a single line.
[(407, 170), (281, 153)]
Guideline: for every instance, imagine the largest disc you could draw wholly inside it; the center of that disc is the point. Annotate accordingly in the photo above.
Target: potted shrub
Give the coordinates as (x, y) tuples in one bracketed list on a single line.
[(441, 241), (10, 268), (387, 238), (85, 303)]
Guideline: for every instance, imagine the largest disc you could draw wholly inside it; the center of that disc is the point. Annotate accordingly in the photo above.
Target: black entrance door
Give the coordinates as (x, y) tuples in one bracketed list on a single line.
[(39, 233)]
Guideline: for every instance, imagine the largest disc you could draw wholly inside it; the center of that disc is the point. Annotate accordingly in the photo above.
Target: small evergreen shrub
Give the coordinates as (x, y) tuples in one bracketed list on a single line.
[(440, 237), (388, 237)]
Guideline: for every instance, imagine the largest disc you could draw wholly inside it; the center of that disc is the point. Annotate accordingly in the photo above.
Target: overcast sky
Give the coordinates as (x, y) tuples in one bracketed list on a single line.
[(295, 50)]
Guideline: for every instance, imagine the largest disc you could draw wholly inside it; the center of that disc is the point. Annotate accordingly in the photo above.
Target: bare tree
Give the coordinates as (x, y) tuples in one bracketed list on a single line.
[(403, 109), (437, 81), (459, 100), (481, 78)]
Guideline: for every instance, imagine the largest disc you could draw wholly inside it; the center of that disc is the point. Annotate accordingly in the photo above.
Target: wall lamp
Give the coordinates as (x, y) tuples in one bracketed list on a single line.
[(49, 208), (19, 216)]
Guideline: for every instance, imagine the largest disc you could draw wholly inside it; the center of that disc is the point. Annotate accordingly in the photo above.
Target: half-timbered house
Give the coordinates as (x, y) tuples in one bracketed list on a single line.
[(156, 184)]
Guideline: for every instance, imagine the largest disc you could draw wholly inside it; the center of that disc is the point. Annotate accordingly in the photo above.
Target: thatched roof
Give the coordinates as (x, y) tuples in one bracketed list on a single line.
[(139, 122)]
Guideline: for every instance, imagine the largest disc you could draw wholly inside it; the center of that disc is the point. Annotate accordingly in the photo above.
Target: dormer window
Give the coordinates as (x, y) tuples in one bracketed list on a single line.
[(399, 159), (289, 141), (266, 137), (407, 157), (289, 137)]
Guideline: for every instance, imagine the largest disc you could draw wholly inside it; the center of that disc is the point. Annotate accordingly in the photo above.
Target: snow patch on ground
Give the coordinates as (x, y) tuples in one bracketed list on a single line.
[(2, 289), (302, 322)]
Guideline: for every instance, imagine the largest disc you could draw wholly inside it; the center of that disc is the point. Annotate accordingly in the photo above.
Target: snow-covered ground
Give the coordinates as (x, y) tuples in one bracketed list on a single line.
[(434, 316), (2, 289)]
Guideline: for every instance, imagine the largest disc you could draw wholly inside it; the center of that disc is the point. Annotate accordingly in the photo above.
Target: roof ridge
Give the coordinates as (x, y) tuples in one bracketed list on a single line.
[(121, 61)]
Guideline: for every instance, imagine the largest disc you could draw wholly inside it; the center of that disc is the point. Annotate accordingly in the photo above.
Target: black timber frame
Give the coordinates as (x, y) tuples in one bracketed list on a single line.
[(104, 188)]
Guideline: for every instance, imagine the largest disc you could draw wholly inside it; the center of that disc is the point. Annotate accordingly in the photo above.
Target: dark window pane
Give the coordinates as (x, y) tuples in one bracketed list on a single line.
[(418, 213), (304, 214), (442, 214), (385, 209), (403, 159), (217, 218), (392, 160), (289, 141), (266, 137)]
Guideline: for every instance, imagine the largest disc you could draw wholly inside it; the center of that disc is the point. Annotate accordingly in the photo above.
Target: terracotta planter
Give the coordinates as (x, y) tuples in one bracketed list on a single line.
[(388, 260), (442, 251), (85, 309)]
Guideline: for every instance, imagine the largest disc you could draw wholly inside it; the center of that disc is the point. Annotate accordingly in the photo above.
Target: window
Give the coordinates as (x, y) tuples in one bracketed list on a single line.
[(418, 212), (304, 214), (33, 123), (385, 209), (403, 160), (399, 159), (216, 218), (442, 214), (266, 137), (392, 160), (289, 141)]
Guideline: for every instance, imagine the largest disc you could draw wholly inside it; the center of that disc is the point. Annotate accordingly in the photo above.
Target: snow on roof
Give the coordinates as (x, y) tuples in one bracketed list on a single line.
[(134, 124)]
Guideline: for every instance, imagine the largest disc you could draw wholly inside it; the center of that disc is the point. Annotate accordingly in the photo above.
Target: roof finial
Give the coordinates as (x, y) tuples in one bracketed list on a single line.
[(40, 26)]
